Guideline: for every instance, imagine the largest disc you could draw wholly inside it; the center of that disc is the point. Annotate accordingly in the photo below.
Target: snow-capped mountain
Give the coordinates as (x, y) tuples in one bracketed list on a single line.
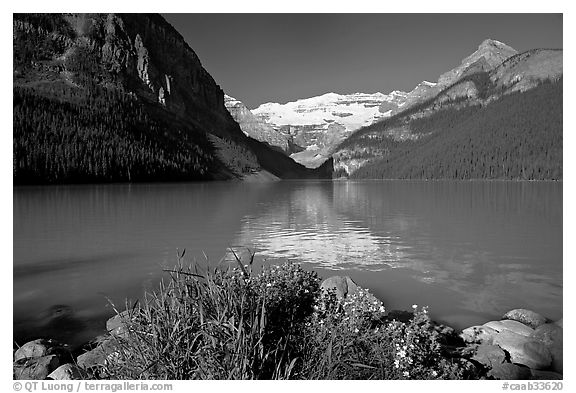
[(320, 123)]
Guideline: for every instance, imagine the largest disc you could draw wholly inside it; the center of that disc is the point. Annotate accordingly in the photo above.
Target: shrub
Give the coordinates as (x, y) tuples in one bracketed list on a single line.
[(234, 324), (223, 324), (354, 341)]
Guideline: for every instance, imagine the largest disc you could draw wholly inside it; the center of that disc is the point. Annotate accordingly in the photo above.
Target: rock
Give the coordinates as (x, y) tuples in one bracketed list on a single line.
[(35, 368), (67, 371), (557, 359), (446, 334), (542, 374), (478, 334), (32, 349), (342, 285), (470, 369), (489, 355), (511, 326), (550, 334), (524, 350), (255, 127), (40, 347), (118, 324), (97, 358), (527, 317), (509, 371)]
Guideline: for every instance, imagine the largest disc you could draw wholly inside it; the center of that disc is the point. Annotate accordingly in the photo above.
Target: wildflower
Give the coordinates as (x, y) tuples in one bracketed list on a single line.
[(381, 309), (356, 330), (268, 285), (397, 363), (414, 306), (402, 353), (406, 373)]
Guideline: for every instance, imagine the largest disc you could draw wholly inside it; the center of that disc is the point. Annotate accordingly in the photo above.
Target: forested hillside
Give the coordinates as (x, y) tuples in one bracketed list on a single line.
[(122, 97), (102, 136), (518, 136)]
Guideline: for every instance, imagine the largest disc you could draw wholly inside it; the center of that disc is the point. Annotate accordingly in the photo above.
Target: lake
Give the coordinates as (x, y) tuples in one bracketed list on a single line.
[(469, 250)]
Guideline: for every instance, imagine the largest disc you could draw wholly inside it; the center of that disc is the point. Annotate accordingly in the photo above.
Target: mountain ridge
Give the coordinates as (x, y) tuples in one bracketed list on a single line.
[(145, 63), (379, 145)]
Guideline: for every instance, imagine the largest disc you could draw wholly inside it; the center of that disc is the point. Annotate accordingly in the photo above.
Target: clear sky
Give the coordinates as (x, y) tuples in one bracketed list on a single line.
[(259, 58)]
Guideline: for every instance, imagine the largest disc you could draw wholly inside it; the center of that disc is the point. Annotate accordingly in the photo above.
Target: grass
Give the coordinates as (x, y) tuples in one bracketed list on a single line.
[(231, 323)]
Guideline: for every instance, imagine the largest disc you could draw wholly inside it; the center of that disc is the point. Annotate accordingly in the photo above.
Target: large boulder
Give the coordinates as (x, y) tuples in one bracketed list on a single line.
[(557, 359), (527, 317), (343, 286), (478, 335), (33, 349), (550, 334), (489, 355), (96, 360), (524, 350), (66, 372), (510, 326), (41, 347), (509, 371), (118, 325), (35, 368)]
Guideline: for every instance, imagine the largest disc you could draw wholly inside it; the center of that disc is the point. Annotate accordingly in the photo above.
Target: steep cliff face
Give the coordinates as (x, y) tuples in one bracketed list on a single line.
[(256, 128), (143, 58)]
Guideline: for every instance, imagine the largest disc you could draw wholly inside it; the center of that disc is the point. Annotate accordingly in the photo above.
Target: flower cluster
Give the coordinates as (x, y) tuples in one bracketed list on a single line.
[(416, 349), (361, 307)]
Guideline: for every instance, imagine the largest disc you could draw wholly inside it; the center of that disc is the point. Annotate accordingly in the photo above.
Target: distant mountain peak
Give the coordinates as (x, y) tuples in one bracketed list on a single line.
[(490, 54), (489, 42)]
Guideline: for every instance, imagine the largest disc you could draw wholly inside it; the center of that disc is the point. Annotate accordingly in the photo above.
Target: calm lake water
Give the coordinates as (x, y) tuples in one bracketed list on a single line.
[(469, 250)]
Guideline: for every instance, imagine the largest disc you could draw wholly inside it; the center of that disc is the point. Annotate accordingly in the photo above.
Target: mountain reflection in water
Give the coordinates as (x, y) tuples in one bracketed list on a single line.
[(469, 250)]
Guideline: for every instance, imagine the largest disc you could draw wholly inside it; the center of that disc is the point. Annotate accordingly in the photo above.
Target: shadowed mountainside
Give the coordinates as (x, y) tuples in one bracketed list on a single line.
[(108, 97)]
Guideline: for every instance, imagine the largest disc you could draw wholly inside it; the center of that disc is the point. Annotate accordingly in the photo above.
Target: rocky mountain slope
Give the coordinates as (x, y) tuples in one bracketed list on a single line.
[(319, 124), (524, 144), (256, 128), (122, 97)]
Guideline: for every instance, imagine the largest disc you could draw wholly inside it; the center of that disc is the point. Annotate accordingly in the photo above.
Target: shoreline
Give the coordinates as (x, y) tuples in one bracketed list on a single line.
[(521, 345)]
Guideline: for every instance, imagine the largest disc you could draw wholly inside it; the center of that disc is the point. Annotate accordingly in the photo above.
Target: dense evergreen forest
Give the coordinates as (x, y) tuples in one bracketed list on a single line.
[(74, 120), (518, 136), (105, 136)]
